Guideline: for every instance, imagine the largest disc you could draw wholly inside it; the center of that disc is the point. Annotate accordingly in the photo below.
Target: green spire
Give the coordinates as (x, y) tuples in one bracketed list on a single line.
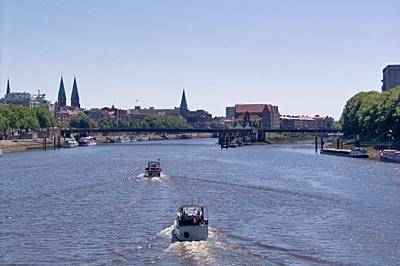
[(184, 105), (62, 99), (75, 95), (8, 87)]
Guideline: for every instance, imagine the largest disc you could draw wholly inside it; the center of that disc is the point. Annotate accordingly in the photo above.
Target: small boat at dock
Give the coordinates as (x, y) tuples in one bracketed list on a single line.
[(70, 143), (191, 223), (1, 153), (122, 139), (153, 169), (391, 156), (355, 152), (87, 141)]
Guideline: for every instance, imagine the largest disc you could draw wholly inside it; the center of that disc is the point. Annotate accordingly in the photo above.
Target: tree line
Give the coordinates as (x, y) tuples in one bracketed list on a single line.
[(22, 118), (151, 121), (373, 114)]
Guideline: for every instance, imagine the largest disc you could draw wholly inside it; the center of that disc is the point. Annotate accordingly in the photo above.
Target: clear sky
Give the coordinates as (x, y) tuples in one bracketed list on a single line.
[(306, 56)]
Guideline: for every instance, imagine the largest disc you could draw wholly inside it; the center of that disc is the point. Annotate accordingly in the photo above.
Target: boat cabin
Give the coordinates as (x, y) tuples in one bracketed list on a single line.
[(192, 215)]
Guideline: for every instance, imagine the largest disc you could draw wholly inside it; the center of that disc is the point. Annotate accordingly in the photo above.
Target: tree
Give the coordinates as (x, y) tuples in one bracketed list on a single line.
[(107, 123), (372, 114), (3, 123), (44, 117), (81, 120)]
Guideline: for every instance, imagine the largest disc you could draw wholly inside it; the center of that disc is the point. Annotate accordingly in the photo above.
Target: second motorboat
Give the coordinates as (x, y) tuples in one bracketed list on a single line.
[(153, 169), (87, 141)]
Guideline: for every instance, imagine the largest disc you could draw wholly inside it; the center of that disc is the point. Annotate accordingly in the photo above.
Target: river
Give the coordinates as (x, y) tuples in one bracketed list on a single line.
[(267, 205)]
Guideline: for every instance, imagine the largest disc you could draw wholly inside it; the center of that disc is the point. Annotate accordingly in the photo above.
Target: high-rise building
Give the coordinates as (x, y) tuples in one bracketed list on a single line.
[(62, 98), (391, 77), (230, 112), (75, 96)]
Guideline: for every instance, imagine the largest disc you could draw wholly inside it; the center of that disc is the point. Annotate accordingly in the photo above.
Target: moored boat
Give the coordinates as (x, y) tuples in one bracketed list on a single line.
[(391, 156), (153, 169), (355, 152), (87, 141), (191, 223), (70, 143), (122, 139), (1, 153)]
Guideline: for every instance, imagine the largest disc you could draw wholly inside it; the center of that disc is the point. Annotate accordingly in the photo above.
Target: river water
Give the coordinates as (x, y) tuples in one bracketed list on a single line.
[(267, 205)]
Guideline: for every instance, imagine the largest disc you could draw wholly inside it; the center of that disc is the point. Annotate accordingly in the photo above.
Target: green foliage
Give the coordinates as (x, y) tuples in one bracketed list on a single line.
[(3, 122), (255, 124), (150, 121), (372, 114), (107, 123), (82, 120), (18, 117), (45, 118)]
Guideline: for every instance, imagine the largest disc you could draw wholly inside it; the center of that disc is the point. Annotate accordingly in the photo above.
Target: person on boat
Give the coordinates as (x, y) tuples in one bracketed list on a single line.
[(196, 218)]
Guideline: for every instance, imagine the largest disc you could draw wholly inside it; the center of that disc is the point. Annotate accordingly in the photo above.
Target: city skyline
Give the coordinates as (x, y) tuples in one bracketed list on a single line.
[(307, 58)]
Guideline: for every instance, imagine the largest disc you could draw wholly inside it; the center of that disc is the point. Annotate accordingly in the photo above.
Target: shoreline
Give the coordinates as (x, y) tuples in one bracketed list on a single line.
[(20, 145), (10, 146)]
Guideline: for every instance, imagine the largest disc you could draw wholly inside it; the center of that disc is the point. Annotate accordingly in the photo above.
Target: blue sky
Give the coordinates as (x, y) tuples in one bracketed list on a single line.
[(308, 57)]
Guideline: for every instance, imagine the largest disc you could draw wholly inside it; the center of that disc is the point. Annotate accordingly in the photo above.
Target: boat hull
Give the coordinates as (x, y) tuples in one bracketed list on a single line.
[(70, 144), (390, 156), (153, 174), (355, 153), (191, 232)]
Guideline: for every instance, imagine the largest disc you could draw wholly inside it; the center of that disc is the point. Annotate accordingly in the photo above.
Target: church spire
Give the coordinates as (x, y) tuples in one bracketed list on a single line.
[(184, 105), (8, 87), (75, 95), (62, 98)]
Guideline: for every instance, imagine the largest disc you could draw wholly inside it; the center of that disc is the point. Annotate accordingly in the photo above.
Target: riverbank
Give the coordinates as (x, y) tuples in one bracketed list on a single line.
[(8, 146), (19, 145), (373, 153)]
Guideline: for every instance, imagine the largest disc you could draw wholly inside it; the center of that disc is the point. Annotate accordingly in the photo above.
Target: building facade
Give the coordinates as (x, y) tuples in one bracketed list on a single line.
[(230, 113), (391, 77), (266, 115), (303, 122)]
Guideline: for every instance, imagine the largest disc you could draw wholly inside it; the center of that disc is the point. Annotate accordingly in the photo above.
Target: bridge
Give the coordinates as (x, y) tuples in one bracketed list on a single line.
[(224, 134), (242, 131)]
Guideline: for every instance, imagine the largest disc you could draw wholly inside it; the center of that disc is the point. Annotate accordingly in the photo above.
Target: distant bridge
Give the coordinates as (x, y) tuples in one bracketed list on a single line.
[(244, 131), (217, 131), (305, 130)]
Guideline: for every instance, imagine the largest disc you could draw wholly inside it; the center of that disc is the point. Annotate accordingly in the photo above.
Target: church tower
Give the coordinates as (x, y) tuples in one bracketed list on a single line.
[(8, 87), (75, 96), (62, 98), (184, 105)]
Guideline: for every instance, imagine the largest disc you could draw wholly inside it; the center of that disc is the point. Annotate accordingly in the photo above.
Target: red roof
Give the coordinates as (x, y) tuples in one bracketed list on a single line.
[(251, 108)]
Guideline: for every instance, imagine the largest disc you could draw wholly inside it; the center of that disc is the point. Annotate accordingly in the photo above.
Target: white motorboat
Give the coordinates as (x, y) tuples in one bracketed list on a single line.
[(87, 141), (143, 138), (1, 153), (191, 223), (122, 139), (153, 169), (70, 143), (391, 156), (355, 152)]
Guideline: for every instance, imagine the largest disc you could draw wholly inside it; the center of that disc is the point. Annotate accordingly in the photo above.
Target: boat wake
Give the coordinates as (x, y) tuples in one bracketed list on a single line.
[(153, 179), (196, 252)]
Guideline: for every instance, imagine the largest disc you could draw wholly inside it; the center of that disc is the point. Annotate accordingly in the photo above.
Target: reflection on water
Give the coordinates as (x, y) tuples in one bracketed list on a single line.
[(268, 205)]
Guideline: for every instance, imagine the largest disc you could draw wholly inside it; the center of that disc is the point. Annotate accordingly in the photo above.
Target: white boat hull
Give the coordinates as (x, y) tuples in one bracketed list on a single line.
[(70, 144), (191, 232)]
